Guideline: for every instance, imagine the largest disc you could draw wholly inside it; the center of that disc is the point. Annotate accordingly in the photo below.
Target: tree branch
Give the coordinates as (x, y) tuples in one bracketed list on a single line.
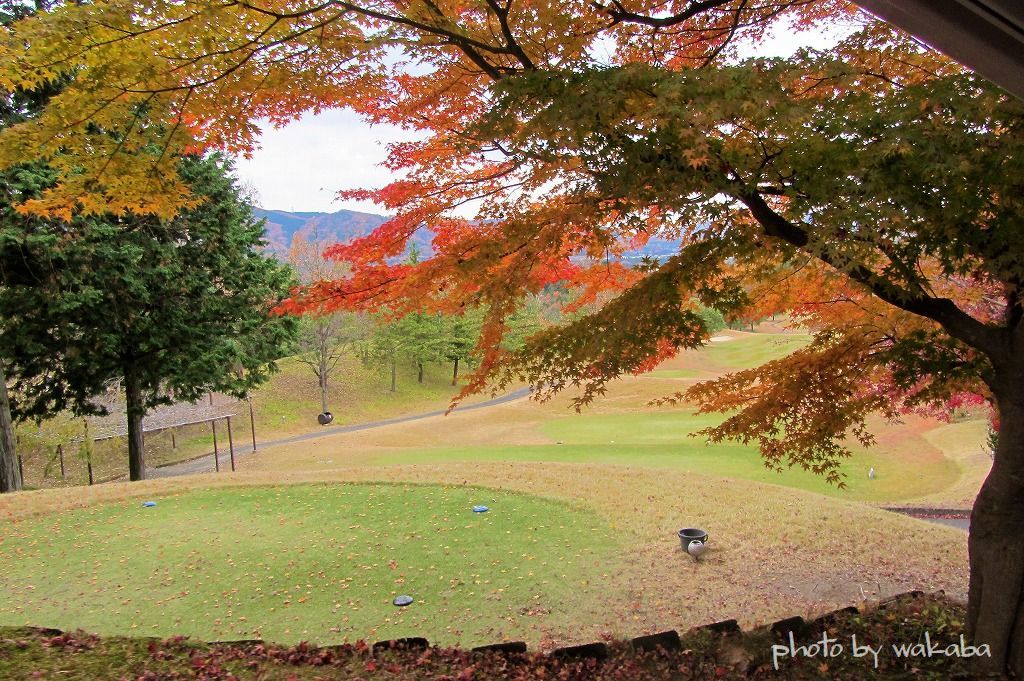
[(620, 14), (513, 46), (944, 311)]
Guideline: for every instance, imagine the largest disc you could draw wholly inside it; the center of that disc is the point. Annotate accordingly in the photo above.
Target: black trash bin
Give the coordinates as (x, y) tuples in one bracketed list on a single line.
[(689, 534)]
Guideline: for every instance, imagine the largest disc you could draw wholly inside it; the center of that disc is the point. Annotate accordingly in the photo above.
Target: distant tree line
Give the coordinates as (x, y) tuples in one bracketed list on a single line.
[(388, 340)]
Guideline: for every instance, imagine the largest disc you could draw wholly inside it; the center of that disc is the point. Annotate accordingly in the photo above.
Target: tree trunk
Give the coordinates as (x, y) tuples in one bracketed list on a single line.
[(419, 378), (252, 422), (394, 371), (455, 372), (995, 611), (323, 383), (10, 475), (136, 451)]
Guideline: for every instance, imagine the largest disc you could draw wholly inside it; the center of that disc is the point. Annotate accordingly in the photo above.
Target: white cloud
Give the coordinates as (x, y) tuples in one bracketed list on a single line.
[(303, 165)]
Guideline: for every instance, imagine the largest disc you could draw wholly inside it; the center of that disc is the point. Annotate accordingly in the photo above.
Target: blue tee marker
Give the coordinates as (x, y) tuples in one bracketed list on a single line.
[(480, 509), (149, 504), (402, 601)]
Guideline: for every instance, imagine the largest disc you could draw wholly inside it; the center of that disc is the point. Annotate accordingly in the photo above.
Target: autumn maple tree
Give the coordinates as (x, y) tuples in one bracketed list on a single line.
[(872, 189)]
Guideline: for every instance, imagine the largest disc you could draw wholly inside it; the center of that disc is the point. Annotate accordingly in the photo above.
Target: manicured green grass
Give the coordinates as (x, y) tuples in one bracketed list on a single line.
[(662, 439), (743, 352), (309, 562), (675, 373)]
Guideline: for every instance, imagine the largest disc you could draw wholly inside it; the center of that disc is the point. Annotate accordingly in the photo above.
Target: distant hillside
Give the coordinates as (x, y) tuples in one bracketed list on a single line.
[(344, 225), (341, 226)]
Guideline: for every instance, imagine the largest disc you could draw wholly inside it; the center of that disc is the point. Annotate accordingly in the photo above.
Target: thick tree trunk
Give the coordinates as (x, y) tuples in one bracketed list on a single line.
[(995, 612), (10, 474), (455, 372), (136, 410)]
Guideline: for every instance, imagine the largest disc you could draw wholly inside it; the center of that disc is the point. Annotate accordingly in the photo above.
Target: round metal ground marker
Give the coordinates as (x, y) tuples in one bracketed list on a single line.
[(402, 601)]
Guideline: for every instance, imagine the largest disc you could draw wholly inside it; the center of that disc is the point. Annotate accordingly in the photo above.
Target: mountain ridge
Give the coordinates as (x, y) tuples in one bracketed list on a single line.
[(344, 225)]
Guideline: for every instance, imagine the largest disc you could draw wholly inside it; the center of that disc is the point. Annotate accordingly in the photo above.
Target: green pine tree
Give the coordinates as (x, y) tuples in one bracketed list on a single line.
[(170, 308), (16, 106), (461, 335)]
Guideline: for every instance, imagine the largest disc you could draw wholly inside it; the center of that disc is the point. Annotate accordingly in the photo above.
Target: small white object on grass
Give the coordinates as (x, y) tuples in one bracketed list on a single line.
[(871, 473)]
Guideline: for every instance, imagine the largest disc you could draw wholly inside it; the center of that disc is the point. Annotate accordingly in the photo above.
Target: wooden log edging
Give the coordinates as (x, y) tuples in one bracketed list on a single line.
[(723, 627), (784, 627), (830, 618), (510, 648), (410, 643), (666, 640), (893, 600), (592, 651)]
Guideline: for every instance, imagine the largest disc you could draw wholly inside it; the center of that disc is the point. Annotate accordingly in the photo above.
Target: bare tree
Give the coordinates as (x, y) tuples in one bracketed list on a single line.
[(324, 338)]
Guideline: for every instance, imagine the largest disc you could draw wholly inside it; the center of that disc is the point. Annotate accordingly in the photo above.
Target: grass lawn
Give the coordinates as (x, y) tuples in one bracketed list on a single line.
[(774, 552), (726, 460), (920, 461), (740, 351), (623, 430), (580, 543), (320, 562)]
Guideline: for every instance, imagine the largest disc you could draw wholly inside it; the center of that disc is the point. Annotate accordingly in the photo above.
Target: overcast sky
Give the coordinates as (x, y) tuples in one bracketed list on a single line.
[(303, 166)]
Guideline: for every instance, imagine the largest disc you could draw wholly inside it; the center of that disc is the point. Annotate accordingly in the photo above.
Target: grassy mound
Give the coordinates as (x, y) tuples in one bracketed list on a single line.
[(320, 562), (773, 552)]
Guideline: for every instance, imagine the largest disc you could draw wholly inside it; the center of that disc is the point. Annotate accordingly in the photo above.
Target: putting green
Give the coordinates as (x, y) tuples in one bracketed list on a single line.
[(309, 562)]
